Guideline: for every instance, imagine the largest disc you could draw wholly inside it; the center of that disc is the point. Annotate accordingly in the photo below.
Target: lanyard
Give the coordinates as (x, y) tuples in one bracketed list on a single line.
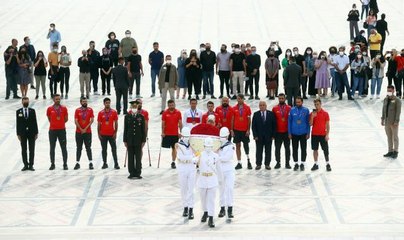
[(225, 111), (193, 114), (83, 113), (57, 110), (107, 115), (240, 110), (282, 110)]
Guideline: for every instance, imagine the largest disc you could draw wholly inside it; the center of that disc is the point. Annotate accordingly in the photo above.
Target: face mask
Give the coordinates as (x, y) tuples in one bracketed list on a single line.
[(364, 53), (356, 50), (389, 94), (127, 35), (112, 37), (253, 53), (168, 61), (296, 53), (52, 28), (208, 49), (237, 50), (364, 35), (222, 50), (25, 105), (55, 50), (402, 54), (322, 57), (378, 56), (359, 56), (202, 49), (315, 56), (84, 105), (341, 54), (308, 52), (105, 53), (354, 8), (184, 55), (134, 52), (288, 54)]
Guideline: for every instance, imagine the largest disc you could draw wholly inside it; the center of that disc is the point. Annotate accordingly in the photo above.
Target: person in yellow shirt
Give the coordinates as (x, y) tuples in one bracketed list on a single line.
[(375, 40)]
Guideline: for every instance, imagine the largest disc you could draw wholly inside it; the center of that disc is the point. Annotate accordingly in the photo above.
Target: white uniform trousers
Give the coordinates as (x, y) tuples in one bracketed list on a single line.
[(227, 189), (187, 182), (208, 198)]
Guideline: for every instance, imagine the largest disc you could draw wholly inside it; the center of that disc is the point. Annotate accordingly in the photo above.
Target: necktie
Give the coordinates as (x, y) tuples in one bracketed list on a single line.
[(25, 113), (263, 116)]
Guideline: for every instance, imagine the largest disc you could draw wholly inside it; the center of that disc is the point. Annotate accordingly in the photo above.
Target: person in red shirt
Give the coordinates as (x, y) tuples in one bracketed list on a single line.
[(171, 122), (281, 112), (400, 73), (83, 118), (107, 129), (320, 122), (57, 116), (211, 107), (241, 129), (226, 115)]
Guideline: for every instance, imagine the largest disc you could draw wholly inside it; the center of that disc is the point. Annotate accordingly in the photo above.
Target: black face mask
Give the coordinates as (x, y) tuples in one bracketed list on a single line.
[(208, 49), (402, 54), (134, 52), (139, 107), (25, 105)]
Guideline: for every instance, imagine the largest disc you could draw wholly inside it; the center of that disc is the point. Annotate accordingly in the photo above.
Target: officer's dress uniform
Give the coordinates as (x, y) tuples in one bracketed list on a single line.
[(208, 181), (27, 129), (227, 175), (134, 135), (186, 173)]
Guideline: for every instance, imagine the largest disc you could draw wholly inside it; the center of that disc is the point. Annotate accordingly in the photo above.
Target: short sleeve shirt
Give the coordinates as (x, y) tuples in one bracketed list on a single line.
[(238, 61), (171, 120), (57, 117), (135, 61), (341, 61), (281, 113), (242, 114), (84, 116), (145, 115), (225, 115), (375, 38), (107, 122), (319, 123)]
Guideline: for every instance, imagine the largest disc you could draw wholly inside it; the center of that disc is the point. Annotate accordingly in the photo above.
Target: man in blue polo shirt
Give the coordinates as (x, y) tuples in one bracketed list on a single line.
[(156, 60), (299, 131)]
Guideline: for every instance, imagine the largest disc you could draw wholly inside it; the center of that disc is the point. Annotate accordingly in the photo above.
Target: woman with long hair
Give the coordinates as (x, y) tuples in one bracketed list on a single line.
[(24, 71), (64, 71), (322, 77), (40, 64), (193, 74)]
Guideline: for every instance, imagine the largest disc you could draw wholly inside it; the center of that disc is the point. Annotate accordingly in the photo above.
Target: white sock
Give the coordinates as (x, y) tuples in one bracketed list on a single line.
[(327, 162), (77, 162), (315, 163), (239, 161)]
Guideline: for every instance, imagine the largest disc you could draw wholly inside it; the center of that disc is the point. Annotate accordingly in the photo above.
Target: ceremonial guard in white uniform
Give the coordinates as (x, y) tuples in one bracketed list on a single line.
[(208, 181), (227, 175), (186, 172)]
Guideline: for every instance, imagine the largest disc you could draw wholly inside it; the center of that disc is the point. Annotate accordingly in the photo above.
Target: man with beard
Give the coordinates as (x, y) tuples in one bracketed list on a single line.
[(83, 118), (281, 112), (27, 131), (226, 115), (171, 122)]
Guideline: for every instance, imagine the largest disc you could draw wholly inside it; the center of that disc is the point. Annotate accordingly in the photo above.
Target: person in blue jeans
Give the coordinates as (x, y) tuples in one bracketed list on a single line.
[(341, 64), (378, 64), (156, 60), (358, 66)]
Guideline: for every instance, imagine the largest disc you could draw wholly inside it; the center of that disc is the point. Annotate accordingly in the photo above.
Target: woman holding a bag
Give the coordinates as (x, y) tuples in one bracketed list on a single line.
[(272, 70)]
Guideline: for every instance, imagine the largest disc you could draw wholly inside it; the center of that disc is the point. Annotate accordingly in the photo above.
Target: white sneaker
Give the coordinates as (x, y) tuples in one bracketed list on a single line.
[(96, 93), (378, 97), (371, 97)]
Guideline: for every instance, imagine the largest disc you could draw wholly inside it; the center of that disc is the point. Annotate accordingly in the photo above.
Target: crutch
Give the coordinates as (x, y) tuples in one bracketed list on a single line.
[(158, 163), (148, 151), (126, 158)]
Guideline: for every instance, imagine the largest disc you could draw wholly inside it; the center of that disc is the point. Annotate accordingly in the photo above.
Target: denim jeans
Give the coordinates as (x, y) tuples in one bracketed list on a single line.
[(333, 82), (375, 81), (365, 8), (208, 82), (357, 82), (154, 73)]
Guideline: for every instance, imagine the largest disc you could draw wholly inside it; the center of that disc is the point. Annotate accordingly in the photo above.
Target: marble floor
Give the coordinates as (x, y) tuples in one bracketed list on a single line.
[(362, 198)]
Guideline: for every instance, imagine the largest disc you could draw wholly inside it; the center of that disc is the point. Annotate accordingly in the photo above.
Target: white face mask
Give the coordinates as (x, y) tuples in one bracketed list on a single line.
[(363, 34), (315, 56), (341, 54), (389, 94), (202, 49), (237, 50), (308, 52), (128, 35), (288, 54), (296, 53), (168, 61), (55, 50)]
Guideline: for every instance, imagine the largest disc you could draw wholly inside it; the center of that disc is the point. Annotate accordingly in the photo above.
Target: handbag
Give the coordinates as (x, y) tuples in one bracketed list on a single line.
[(365, 25)]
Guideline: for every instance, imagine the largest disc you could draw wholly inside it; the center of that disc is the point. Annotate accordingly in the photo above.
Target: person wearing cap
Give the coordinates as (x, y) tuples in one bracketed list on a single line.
[(83, 119), (211, 112), (126, 46), (186, 172), (134, 137), (171, 121), (168, 81), (226, 153), (208, 180)]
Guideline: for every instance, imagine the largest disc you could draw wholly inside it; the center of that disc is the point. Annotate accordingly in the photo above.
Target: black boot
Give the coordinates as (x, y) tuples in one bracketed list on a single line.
[(190, 214), (230, 212), (222, 212), (185, 213), (204, 217), (211, 223)]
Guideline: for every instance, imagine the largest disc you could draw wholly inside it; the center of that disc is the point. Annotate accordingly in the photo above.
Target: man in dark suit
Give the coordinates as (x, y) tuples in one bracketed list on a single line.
[(293, 73), (27, 131), (134, 137), (121, 81), (263, 127)]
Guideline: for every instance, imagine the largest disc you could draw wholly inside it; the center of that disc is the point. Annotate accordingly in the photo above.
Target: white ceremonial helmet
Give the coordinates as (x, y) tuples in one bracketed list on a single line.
[(224, 132), (186, 132), (211, 118)]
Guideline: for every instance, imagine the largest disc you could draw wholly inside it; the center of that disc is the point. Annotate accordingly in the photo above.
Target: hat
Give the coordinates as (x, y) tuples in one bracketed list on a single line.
[(127, 32)]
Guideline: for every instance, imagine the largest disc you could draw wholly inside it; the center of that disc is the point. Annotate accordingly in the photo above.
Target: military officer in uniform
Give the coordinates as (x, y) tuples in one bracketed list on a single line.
[(208, 181), (27, 131), (226, 153), (134, 136), (186, 172)]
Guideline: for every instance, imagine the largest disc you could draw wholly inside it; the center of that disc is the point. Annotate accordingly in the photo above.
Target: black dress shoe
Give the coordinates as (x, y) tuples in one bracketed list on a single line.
[(278, 165), (212, 97), (258, 167), (328, 168), (16, 97), (394, 155), (52, 167), (267, 167), (204, 217), (257, 98), (131, 176), (211, 223), (238, 166), (65, 167), (189, 97), (197, 97), (249, 166), (305, 97), (25, 168), (104, 166), (139, 177), (314, 168), (389, 154), (77, 166), (230, 212), (116, 166), (190, 213), (251, 98), (302, 167), (222, 212), (288, 166), (204, 97), (296, 167), (185, 212), (90, 166), (173, 165), (31, 168)]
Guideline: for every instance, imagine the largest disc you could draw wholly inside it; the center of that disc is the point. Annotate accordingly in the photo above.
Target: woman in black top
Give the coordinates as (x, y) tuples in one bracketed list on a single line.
[(353, 18), (113, 45), (392, 67), (106, 69), (193, 74), (40, 65)]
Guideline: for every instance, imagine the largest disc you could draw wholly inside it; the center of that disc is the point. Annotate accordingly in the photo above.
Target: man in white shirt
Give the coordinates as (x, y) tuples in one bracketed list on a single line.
[(192, 116), (341, 64)]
